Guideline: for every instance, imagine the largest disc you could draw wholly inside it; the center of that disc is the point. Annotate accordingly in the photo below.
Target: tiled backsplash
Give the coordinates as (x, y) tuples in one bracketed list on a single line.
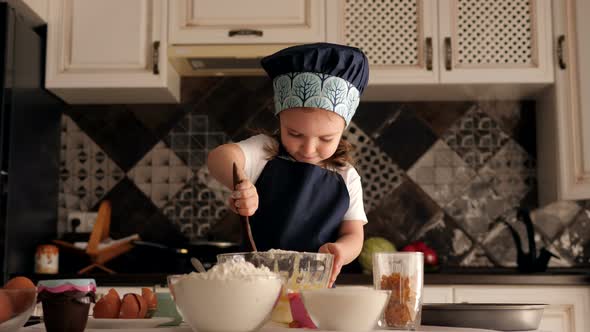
[(442, 172)]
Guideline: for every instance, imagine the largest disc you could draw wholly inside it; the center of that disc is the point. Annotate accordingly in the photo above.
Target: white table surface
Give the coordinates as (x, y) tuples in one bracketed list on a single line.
[(267, 328)]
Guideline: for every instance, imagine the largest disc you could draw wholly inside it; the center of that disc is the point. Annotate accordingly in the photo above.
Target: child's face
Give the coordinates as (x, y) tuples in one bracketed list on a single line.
[(310, 135)]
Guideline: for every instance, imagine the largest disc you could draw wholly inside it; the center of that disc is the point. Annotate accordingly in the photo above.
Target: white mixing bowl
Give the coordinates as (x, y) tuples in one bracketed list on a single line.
[(347, 308), (234, 305)]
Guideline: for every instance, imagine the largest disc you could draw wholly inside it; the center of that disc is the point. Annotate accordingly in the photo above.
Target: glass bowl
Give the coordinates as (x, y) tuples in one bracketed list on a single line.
[(16, 306), (299, 271)]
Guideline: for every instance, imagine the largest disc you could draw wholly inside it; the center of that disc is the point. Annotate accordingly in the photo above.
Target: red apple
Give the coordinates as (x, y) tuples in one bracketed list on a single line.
[(410, 247), (430, 257), (421, 246)]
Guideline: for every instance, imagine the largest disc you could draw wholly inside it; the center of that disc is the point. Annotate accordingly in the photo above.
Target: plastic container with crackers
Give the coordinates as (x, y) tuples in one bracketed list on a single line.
[(403, 274)]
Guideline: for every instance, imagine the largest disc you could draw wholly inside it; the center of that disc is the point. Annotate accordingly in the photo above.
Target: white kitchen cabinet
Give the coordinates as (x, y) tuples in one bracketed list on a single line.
[(568, 310), (109, 51), (563, 112), (247, 22), (399, 37), (437, 294), (503, 41), (454, 44)]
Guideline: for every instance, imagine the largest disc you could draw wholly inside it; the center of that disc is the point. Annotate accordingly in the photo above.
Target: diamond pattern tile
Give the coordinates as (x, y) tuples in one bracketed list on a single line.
[(476, 138), (265, 121), (379, 174), (553, 218), (373, 117), (575, 240), (407, 208), (440, 116), (116, 130), (87, 174), (441, 173), (511, 172), (517, 119), (158, 118), (194, 90), (234, 102), (444, 236), (198, 205), (476, 258), (477, 208), (133, 212), (160, 174), (191, 139), (393, 139)]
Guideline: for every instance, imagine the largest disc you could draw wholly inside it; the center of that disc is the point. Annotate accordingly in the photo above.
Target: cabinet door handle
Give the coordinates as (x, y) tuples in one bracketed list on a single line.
[(156, 57), (560, 56), (245, 32), (429, 54), (448, 53)]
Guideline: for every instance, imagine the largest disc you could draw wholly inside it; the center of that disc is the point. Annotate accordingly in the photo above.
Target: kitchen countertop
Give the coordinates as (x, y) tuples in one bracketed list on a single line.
[(561, 277), (267, 328)]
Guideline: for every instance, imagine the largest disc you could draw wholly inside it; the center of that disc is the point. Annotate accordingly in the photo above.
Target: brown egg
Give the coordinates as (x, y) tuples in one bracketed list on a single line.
[(133, 306), (20, 282), (21, 300), (6, 311), (113, 292), (150, 298), (108, 306)]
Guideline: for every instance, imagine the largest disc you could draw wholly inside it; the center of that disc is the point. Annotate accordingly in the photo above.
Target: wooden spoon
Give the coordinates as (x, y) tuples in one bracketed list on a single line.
[(247, 238)]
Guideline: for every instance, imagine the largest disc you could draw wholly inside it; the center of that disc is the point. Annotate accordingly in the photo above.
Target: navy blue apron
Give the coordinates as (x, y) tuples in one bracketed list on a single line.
[(300, 205)]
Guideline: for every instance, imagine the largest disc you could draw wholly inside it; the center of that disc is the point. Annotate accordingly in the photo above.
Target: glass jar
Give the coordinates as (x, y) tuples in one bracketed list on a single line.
[(403, 274)]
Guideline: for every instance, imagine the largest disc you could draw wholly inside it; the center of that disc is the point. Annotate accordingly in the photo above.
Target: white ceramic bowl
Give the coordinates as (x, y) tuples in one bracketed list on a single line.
[(234, 305), (345, 308)]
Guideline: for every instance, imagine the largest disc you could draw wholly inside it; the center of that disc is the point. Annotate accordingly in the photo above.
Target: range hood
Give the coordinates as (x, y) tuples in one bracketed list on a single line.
[(220, 60)]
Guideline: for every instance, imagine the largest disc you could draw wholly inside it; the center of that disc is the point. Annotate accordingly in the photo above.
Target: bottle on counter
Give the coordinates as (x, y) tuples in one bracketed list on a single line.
[(47, 259)]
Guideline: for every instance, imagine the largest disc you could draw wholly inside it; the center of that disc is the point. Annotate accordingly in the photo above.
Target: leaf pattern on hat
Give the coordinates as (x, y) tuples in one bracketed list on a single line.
[(282, 88), (291, 102), (318, 102), (319, 90), (306, 85), (335, 90)]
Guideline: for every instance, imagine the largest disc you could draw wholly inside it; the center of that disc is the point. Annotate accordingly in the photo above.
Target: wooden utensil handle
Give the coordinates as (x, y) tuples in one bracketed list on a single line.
[(244, 220)]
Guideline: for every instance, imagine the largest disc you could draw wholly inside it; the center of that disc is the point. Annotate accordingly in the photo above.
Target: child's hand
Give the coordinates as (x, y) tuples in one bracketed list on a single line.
[(336, 250), (244, 200)]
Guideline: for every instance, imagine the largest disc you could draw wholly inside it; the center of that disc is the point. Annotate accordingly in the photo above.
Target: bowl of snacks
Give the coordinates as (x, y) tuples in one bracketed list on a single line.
[(298, 270), (18, 298), (230, 297)]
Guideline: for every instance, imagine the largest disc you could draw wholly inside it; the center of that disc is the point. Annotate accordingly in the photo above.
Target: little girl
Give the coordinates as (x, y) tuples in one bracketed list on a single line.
[(300, 190)]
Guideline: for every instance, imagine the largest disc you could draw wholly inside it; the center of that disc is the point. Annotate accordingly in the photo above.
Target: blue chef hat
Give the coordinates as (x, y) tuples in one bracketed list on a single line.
[(322, 75)]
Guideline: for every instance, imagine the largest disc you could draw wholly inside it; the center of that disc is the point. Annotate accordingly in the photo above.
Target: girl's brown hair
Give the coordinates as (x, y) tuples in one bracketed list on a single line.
[(340, 158)]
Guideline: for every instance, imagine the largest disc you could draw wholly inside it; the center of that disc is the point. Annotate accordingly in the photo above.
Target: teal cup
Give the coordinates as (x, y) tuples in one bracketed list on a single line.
[(167, 308)]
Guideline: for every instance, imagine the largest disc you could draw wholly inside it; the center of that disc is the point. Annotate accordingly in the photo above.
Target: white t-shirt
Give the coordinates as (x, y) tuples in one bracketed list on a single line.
[(256, 158)]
